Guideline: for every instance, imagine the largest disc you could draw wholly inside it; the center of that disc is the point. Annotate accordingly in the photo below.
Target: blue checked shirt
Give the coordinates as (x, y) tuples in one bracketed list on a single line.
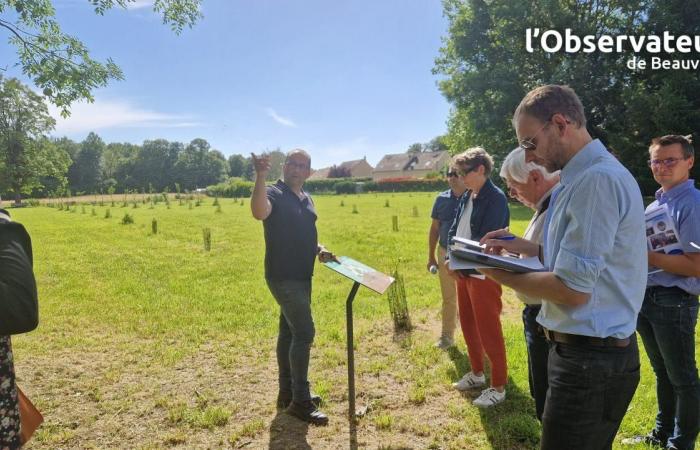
[(595, 243)]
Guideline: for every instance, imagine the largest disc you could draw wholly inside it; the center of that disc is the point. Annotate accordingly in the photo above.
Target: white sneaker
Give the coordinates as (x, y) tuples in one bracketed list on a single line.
[(470, 381), (445, 342), (489, 397)]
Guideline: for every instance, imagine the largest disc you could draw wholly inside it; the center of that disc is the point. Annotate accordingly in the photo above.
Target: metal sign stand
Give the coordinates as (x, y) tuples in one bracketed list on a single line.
[(351, 353), (363, 275)]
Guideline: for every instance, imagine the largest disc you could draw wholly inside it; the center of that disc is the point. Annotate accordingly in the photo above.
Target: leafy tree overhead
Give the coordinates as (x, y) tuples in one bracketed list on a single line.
[(24, 121), (59, 64)]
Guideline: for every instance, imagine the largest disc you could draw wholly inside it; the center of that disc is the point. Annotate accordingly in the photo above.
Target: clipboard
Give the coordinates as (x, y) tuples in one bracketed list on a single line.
[(465, 254)]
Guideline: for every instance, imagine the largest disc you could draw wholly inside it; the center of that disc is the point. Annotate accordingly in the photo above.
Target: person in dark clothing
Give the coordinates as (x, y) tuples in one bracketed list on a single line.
[(291, 247), (18, 314)]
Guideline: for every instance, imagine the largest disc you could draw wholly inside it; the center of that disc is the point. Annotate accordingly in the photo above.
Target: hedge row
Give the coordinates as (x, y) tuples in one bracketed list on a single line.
[(232, 188), (328, 185), (236, 187)]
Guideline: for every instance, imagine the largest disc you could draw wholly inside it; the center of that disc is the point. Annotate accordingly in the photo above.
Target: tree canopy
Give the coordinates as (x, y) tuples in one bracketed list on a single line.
[(60, 64), (487, 71)]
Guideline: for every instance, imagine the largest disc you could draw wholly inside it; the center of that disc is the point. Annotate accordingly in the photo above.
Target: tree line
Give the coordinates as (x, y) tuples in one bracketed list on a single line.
[(32, 164)]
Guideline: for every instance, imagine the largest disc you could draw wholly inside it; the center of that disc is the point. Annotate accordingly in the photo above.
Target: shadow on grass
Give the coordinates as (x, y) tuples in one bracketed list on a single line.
[(287, 432), (511, 425)]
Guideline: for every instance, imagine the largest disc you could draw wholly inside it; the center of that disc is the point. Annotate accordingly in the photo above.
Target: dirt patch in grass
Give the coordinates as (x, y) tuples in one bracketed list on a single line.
[(222, 396)]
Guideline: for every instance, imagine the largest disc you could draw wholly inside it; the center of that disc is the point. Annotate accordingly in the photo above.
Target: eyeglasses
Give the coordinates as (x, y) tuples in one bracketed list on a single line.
[(528, 144), (668, 162), (452, 173), (300, 166)]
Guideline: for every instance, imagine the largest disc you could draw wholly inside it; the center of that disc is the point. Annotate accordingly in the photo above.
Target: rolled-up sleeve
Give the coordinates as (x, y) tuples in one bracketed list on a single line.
[(593, 216)]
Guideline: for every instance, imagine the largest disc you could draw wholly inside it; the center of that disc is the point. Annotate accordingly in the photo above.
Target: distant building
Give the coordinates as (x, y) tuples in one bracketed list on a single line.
[(320, 174), (358, 168), (413, 165)]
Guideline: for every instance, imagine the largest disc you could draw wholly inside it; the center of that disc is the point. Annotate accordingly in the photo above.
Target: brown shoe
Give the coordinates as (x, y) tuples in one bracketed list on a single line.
[(308, 412)]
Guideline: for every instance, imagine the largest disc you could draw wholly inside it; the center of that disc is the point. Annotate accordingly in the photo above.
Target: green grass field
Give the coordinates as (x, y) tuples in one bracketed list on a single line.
[(149, 341)]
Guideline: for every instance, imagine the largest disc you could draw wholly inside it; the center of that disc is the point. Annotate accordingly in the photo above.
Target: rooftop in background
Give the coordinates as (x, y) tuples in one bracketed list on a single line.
[(415, 165)]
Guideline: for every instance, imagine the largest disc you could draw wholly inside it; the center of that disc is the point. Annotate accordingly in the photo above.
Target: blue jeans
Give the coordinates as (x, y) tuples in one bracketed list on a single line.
[(589, 390), (666, 324), (537, 355), (296, 334)]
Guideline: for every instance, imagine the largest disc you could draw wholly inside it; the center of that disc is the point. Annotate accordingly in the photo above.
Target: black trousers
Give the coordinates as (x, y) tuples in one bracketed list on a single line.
[(590, 389)]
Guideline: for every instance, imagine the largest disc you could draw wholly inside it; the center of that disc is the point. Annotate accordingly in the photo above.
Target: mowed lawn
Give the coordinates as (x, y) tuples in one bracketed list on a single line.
[(149, 341)]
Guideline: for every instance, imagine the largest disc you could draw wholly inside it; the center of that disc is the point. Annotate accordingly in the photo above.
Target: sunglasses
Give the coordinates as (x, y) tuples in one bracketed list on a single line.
[(528, 144), (452, 173), (464, 173), (668, 162)]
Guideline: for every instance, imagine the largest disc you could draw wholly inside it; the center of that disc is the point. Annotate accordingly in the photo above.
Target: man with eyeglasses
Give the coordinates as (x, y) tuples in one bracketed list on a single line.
[(592, 288), (291, 246), (443, 214), (669, 314)]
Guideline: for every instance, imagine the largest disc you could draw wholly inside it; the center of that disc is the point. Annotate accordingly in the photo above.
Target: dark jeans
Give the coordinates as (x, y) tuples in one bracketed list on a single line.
[(295, 335), (666, 324), (537, 355), (589, 390)]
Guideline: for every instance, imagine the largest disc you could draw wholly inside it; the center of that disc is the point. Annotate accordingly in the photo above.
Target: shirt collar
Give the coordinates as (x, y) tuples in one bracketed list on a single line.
[(487, 188), (453, 195), (582, 160), (283, 186), (675, 191), (547, 194)]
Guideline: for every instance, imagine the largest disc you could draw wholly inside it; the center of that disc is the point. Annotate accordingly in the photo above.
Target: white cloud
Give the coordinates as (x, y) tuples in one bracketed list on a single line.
[(280, 119), (106, 114)]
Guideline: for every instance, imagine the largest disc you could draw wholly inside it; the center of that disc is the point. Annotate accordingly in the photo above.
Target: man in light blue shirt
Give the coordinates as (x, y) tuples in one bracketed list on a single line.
[(669, 314), (595, 256)]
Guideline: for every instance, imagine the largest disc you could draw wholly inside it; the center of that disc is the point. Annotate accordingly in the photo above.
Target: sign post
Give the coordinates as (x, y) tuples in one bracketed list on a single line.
[(376, 281)]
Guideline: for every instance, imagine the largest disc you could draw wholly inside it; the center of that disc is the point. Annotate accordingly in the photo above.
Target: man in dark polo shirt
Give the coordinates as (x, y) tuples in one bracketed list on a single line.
[(291, 246)]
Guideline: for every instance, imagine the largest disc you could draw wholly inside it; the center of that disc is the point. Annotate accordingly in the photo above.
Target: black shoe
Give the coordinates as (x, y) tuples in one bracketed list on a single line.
[(308, 412), (284, 399), (648, 439)]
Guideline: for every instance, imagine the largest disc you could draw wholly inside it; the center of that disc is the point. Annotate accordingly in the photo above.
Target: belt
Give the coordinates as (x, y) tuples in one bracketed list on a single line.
[(676, 289), (576, 339)]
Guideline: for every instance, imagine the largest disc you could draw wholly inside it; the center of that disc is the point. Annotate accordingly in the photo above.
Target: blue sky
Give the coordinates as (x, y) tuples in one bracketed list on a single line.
[(342, 79)]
